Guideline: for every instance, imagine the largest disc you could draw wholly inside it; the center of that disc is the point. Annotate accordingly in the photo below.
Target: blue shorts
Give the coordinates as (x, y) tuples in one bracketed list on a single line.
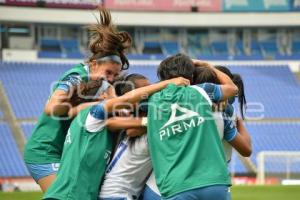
[(149, 194), (39, 171), (215, 192)]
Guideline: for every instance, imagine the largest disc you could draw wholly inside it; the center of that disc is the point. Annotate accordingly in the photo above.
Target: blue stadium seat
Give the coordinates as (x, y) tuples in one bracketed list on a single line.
[(27, 129), (220, 48), (274, 89), (287, 57), (49, 54), (170, 47), (248, 57), (11, 161), (50, 45), (255, 48), (29, 92), (215, 57), (28, 85), (239, 48), (272, 137), (269, 47), (146, 56), (71, 48), (296, 47), (152, 47)]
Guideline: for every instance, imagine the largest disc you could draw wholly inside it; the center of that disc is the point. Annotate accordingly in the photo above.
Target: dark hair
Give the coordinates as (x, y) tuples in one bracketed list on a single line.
[(205, 75), (105, 39), (126, 83), (238, 81), (225, 70), (176, 66)]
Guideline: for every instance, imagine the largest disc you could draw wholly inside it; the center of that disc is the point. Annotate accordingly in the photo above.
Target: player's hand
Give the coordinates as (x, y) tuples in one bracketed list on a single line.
[(180, 81)]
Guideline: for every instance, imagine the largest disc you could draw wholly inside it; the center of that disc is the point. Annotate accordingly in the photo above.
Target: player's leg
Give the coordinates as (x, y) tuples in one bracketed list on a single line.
[(43, 174), (46, 181)]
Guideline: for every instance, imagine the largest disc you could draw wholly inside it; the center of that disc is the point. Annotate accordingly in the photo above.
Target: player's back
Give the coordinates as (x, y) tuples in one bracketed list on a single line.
[(185, 147)]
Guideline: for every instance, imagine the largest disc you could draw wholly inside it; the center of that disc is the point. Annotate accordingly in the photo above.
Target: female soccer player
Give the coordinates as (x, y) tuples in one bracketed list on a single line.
[(186, 152), (228, 127), (131, 165), (43, 150), (88, 145)]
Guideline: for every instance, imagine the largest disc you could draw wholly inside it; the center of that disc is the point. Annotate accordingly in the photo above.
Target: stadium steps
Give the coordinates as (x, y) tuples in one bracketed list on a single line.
[(10, 117)]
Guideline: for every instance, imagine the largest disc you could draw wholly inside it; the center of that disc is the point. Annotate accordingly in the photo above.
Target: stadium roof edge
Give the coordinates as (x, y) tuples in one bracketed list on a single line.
[(167, 19)]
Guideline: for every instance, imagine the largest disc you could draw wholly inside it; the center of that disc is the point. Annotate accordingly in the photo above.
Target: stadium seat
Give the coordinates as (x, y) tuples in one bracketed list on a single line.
[(239, 48), (11, 161), (170, 47), (152, 47), (71, 48), (49, 54), (31, 86), (27, 129), (274, 89), (29, 92), (255, 48), (280, 136), (269, 47), (296, 48), (50, 45), (146, 56), (220, 48)]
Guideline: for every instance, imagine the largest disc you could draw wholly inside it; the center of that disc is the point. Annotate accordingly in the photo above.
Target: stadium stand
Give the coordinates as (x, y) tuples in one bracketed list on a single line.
[(219, 48), (71, 48), (255, 48), (265, 137), (27, 85), (170, 47), (53, 48), (273, 87), (11, 162), (27, 128), (280, 136), (296, 48), (155, 50), (50, 48), (30, 88), (152, 47), (269, 47)]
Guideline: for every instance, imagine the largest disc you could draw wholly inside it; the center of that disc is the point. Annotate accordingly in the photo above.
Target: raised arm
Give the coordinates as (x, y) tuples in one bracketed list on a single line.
[(228, 88), (137, 95), (134, 126)]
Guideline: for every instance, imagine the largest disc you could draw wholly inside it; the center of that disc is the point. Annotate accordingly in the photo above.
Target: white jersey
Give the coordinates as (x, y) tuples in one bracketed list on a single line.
[(128, 171)]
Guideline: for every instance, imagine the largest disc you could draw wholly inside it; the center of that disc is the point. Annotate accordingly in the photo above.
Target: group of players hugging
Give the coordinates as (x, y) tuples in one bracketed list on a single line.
[(108, 135)]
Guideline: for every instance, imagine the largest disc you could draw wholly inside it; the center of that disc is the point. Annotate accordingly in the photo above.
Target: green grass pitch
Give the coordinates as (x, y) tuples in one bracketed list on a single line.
[(238, 193)]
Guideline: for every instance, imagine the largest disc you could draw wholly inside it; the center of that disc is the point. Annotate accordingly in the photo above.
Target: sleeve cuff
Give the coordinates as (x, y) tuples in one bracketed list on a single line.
[(230, 136)]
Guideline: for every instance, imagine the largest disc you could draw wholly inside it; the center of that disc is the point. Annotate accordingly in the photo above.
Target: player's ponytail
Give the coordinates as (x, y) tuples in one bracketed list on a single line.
[(238, 81), (106, 40)]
